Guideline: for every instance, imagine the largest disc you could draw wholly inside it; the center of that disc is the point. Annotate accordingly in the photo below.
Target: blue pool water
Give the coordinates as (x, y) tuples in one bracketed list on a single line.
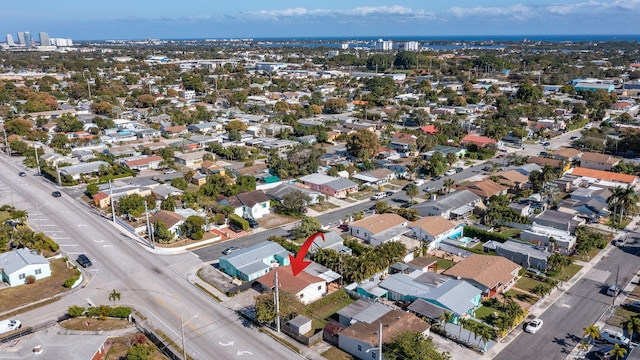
[(465, 239)]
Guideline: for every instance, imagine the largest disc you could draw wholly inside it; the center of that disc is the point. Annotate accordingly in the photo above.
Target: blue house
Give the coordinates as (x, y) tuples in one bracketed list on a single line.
[(250, 263), (457, 296)]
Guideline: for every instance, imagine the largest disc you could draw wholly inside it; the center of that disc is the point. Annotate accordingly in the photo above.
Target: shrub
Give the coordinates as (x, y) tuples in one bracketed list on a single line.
[(198, 235), (121, 312), (31, 279), (484, 235), (140, 352), (218, 219), (75, 311), (72, 280), (239, 222)]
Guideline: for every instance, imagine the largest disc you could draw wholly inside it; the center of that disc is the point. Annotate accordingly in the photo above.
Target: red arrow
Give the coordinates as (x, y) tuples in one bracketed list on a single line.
[(298, 263)]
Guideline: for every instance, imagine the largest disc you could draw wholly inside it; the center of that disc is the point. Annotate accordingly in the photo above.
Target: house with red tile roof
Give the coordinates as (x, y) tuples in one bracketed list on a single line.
[(145, 163), (491, 274), (480, 141), (609, 176), (101, 200), (306, 287), (429, 129), (485, 188)]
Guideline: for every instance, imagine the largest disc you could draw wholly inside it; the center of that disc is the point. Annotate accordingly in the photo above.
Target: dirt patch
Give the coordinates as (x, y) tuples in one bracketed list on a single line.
[(92, 324), (11, 298), (118, 347), (270, 221), (183, 242), (323, 206)]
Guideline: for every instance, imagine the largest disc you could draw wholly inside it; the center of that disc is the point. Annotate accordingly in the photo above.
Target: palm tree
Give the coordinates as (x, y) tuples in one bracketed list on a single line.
[(628, 201), (472, 326), (592, 332), (412, 191), (507, 297), (485, 334), (618, 351), (614, 200), (449, 183), (113, 296), (583, 346), (633, 326), (446, 315), (461, 322)]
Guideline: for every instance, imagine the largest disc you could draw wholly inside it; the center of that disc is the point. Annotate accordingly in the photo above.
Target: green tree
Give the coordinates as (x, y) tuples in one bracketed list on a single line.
[(92, 189), (113, 296), (168, 204), (412, 191), (140, 352), (307, 227), (236, 125), (179, 183), (290, 306), (363, 144), (59, 141), (633, 326), (528, 92), (161, 234), (450, 184), (131, 204), (592, 332), (192, 227), (335, 105), (618, 351), (413, 346), (444, 319), (295, 201)]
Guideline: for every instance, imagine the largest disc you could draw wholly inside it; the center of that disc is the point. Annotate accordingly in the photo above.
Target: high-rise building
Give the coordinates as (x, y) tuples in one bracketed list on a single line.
[(61, 42), (27, 39), (21, 37), (411, 46), (384, 45), (10, 40), (44, 39)]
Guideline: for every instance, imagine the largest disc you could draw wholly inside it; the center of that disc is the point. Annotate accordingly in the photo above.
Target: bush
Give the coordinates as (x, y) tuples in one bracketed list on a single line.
[(219, 219), (121, 312), (75, 311), (31, 279), (140, 352), (72, 280), (239, 222), (484, 235)]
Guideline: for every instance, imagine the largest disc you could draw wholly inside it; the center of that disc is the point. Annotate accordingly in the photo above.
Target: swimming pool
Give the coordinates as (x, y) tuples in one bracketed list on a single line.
[(465, 239)]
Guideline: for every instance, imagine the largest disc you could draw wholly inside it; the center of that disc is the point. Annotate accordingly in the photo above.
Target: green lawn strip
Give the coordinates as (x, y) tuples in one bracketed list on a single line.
[(444, 264), (485, 313), (568, 272), (522, 296), (322, 309), (621, 316), (526, 283)]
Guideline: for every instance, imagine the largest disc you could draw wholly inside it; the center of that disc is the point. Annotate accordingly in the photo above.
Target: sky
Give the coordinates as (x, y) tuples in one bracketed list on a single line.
[(209, 19)]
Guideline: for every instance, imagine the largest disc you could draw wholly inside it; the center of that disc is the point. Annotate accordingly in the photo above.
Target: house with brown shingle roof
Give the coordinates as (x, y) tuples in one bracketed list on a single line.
[(145, 163), (597, 161), (566, 154), (379, 228), (434, 229), (169, 218), (306, 287), (361, 339), (174, 131), (485, 188), (542, 161), (511, 178), (253, 204), (491, 274)]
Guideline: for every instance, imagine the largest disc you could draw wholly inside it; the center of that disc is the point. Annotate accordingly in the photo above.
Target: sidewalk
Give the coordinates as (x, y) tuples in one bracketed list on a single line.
[(542, 306)]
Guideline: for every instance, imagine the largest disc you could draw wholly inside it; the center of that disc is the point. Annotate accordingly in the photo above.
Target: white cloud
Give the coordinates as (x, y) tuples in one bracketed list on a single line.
[(355, 13), (516, 11)]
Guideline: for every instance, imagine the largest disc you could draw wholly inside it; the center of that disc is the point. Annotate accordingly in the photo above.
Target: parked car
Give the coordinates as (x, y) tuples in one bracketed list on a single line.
[(9, 325), (56, 194), (437, 177), (614, 337), (22, 174), (419, 182), (620, 242), (500, 156), (344, 227), (546, 143), (389, 193), (605, 353), (406, 205), (459, 169), (230, 249), (170, 171), (84, 261), (634, 306), (450, 172), (613, 290), (235, 228), (428, 189), (379, 195), (574, 138), (253, 223), (533, 326)]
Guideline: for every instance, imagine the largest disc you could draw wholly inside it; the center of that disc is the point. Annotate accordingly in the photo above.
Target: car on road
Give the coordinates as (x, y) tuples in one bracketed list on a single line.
[(605, 353), (546, 143), (406, 205), (22, 174), (574, 138), (450, 172), (389, 193), (436, 178), (428, 189), (56, 194), (344, 227), (533, 326), (379, 195), (170, 171), (84, 261), (613, 290), (614, 337), (230, 249), (634, 306), (459, 169)]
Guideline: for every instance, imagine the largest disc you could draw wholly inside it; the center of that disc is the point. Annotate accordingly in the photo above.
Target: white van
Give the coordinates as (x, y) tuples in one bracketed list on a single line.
[(419, 182), (379, 195), (614, 337), (9, 325)]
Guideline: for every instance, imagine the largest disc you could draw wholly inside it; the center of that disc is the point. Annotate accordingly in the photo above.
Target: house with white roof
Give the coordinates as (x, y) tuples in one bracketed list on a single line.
[(17, 265), (250, 263)]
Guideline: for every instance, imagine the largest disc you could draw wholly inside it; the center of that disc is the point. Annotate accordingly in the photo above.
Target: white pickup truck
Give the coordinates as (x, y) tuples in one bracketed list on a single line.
[(9, 325)]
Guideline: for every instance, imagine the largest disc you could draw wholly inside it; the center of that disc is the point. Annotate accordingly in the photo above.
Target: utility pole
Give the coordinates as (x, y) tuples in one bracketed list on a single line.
[(6, 142), (149, 229), (379, 340), (37, 161), (113, 203), (58, 173), (277, 302)]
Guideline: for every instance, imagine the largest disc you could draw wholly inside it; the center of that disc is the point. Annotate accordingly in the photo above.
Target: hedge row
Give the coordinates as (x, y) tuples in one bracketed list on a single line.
[(484, 235), (239, 222), (102, 311)]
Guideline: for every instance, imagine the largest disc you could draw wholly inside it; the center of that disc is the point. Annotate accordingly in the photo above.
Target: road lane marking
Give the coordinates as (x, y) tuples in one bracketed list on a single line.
[(230, 343), (244, 353)]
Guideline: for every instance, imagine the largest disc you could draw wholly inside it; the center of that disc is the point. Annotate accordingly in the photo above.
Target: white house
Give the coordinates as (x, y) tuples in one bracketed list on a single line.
[(434, 229), (253, 204), (307, 288), (16, 265), (380, 228)]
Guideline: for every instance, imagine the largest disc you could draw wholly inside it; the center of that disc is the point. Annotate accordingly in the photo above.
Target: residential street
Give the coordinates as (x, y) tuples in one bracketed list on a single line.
[(155, 285), (583, 304)]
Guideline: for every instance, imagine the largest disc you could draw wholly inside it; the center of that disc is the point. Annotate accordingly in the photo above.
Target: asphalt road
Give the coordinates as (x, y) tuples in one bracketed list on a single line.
[(581, 306), (155, 285)]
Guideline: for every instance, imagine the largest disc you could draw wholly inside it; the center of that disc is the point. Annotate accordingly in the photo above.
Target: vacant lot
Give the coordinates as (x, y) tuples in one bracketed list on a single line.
[(272, 220), (93, 324), (11, 298)]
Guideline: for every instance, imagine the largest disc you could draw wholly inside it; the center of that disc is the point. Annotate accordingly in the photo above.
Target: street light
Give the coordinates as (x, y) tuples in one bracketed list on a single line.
[(182, 325)]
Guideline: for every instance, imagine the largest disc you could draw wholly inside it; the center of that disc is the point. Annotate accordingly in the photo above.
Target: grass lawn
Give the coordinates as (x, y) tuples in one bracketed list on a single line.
[(485, 313), (621, 316), (84, 324), (323, 206), (522, 296), (526, 283), (635, 292), (336, 354), (568, 272), (4, 216), (444, 264), (511, 232), (326, 307), (11, 298), (362, 195)]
